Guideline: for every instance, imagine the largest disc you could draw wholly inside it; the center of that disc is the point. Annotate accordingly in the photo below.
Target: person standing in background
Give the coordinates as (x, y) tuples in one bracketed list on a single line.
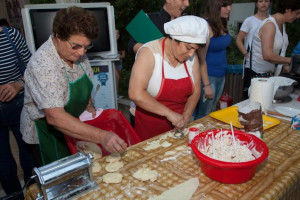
[(170, 10), (216, 13), (119, 63), (270, 41), (11, 104), (246, 33)]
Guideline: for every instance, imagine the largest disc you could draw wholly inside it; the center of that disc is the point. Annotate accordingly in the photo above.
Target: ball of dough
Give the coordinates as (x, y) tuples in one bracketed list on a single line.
[(112, 178), (114, 166)]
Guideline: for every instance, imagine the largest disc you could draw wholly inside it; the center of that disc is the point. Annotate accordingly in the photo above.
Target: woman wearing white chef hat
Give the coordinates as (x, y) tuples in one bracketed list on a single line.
[(165, 78)]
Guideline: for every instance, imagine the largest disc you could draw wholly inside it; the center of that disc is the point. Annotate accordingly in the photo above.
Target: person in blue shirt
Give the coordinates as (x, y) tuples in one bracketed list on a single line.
[(297, 49), (216, 13)]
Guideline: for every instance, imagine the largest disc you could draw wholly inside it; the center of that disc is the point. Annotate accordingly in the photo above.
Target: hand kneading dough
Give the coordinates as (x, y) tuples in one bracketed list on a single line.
[(96, 167), (89, 147), (145, 174), (114, 166), (183, 191), (115, 157), (112, 178)]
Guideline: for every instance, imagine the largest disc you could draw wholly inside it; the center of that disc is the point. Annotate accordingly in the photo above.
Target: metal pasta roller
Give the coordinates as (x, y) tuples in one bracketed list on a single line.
[(66, 177)]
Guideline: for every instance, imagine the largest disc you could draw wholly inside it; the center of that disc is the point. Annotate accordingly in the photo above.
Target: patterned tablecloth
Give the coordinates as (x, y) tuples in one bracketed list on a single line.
[(276, 178)]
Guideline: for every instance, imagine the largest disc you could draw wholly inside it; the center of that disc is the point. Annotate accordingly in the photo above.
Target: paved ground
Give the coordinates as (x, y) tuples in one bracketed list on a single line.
[(123, 105)]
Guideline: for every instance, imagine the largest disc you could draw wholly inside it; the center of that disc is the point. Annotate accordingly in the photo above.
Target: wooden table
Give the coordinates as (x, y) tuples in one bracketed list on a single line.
[(276, 178)]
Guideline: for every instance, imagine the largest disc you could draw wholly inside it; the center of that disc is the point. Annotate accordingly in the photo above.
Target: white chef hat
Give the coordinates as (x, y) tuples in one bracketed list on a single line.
[(188, 28)]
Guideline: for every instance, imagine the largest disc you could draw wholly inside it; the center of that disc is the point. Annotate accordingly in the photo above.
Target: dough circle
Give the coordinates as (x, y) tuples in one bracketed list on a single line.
[(166, 144), (112, 178), (96, 167), (89, 147), (145, 174), (114, 166), (115, 157)]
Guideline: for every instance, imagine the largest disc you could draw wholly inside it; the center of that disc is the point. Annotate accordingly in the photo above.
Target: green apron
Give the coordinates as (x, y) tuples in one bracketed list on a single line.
[(52, 142)]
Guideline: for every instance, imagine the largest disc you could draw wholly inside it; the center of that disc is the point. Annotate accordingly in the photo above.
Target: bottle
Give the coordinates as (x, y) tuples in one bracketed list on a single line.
[(225, 101), (193, 131), (295, 123)]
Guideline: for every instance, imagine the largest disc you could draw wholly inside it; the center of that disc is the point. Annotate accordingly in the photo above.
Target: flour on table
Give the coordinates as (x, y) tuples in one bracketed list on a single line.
[(115, 157), (183, 191), (181, 148), (170, 153), (114, 166), (152, 145), (112, 178), (145, 174)]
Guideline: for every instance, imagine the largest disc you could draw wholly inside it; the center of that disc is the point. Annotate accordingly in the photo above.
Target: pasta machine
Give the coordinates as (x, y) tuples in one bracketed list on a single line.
[(65, 178)]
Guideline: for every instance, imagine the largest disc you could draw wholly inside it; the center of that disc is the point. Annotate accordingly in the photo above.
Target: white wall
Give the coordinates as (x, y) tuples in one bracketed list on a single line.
[(239, 12)]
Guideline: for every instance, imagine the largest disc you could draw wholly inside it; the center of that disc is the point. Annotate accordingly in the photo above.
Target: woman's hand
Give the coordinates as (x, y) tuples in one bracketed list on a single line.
[(9, 91), (286, 68), (176, 119), (113, 143), (91, 109), (208, 92)]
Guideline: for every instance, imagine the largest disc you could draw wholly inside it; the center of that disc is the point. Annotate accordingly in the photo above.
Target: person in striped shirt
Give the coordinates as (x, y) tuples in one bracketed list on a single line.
[(11, 103)]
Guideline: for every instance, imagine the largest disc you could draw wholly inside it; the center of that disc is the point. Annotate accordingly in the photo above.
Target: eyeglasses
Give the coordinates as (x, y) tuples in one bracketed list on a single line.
[(78, 46)]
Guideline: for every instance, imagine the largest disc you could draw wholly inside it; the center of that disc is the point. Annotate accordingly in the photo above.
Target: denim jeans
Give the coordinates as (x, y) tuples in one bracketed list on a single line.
[(204, 107), (10, 120)]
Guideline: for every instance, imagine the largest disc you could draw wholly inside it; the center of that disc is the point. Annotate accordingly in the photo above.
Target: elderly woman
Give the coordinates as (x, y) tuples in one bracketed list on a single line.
[(58, 88), (165, 78)]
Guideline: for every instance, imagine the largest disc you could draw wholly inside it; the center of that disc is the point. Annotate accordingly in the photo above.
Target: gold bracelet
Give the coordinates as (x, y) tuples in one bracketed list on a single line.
[(206, 85)]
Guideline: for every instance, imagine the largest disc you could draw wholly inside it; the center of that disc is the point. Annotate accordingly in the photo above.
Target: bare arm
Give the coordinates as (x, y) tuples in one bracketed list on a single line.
[(267, 35), (123, 54), (71, 126), (136, 47), (140, 75), (201, 52), (239, 43)]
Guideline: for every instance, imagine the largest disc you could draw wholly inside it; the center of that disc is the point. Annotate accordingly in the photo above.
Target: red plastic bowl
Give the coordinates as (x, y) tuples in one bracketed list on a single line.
[(230, 172)]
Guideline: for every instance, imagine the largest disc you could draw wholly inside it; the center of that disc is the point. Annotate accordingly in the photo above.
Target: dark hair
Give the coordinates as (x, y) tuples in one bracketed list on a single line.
[(213, 12), (4, 22), (256, 1), (287, 4), (74, 20)]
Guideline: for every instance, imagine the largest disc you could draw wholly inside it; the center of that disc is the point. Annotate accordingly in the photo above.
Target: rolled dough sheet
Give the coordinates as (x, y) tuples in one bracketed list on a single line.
[(183, 191)]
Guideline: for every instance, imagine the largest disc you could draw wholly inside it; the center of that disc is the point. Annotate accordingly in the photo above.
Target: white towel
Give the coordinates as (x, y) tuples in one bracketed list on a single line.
[(85, 116)]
